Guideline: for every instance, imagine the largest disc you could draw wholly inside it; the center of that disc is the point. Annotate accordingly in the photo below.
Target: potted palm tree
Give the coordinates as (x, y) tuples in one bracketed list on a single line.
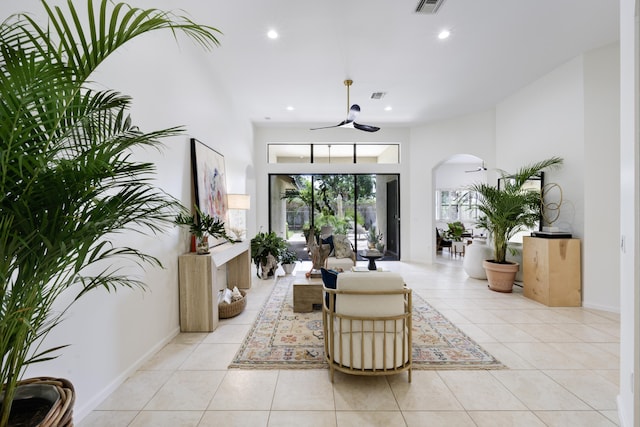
[(69, 183), (506, 210)]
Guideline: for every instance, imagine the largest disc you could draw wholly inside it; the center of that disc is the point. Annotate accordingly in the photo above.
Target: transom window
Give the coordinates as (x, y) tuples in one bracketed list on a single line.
[(334, 153)]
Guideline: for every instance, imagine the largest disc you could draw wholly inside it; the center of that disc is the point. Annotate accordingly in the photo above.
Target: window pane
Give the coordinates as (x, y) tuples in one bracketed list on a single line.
[(378, 153), (332, 153), (289, 153)]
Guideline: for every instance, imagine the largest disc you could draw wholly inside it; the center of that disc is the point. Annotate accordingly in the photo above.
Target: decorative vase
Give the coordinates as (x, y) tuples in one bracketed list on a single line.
[(500, 276), (202, 245), (474, 255)]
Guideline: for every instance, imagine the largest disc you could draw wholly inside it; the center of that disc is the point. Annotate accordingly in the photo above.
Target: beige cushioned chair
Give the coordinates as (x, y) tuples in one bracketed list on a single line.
[(367, 324)]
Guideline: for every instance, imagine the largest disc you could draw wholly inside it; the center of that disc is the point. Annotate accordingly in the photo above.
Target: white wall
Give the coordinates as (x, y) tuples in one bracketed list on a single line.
[(601, 180), (629, 398), (431, 144), (572, 113), (111, 334)]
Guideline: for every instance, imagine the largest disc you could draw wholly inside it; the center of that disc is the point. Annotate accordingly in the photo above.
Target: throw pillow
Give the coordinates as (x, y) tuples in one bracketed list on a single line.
[(342, 246), (329, 241), (330, 280)]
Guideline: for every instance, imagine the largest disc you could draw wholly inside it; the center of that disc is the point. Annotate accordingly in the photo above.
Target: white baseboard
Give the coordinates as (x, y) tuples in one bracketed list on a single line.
[(601, 307), (80, 413), (623, 422)]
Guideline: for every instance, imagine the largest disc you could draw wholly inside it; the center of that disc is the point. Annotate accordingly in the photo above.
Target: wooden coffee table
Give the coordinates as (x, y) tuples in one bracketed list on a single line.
[(307, 293)]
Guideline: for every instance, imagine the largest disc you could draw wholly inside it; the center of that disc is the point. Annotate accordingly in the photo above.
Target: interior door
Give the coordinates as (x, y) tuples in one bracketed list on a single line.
[(393, 219)]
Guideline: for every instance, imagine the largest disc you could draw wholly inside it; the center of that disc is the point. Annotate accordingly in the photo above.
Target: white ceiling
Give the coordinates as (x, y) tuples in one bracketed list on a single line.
[(495, 48)]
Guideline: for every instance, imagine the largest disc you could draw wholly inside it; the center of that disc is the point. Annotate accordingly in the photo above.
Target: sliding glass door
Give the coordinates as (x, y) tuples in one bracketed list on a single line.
[(356, 205)]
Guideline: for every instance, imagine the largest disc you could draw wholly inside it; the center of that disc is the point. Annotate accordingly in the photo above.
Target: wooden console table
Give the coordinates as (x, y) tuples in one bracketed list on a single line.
[(201, 277), (551, 271)]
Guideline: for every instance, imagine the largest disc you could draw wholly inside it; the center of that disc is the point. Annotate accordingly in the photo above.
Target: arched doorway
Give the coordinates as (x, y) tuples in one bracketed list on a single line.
[(453, 202)]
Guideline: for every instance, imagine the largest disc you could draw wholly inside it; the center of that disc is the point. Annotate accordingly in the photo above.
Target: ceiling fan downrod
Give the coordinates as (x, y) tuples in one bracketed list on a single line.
[(348, 84)]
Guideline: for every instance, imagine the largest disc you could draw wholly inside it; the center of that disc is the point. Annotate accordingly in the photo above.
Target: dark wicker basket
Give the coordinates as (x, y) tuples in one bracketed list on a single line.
[(61, 414), (226, 311)]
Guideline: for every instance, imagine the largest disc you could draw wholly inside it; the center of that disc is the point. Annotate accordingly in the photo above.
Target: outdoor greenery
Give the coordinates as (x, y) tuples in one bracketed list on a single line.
[(513, 207), (68, 182), (320, 198)]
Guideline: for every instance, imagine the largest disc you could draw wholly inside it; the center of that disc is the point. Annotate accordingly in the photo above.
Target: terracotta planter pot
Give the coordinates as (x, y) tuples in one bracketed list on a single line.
[(501, 276)]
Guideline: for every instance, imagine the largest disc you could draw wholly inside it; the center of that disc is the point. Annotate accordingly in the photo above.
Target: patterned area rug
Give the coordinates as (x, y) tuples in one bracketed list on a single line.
[(282, 339)]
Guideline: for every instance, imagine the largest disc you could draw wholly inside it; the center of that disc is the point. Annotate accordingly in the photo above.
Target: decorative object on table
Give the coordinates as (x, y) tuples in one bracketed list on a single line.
[(374, 237), (266, 249), (506, 210), (551, 203), (232, 303), (209, 183), (319, 254), (203, 226), (372, 255), (70, 157), (237, 204), (282, 339), (288, 259)]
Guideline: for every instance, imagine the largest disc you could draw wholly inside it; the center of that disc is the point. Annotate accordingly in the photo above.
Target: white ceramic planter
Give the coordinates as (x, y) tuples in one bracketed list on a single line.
[(475, 254)]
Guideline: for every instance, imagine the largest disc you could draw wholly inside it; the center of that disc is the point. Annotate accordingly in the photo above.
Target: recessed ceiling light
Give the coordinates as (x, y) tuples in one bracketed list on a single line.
[(272, 34), (444, 34), (290, 108), (388, 108)]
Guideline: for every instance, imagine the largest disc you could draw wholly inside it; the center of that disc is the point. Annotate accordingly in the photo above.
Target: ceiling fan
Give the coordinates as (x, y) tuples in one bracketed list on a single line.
[(478, 169), (352, 114)]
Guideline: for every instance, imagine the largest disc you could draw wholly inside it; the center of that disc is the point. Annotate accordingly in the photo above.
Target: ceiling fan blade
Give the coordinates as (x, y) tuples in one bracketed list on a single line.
[(366, 128), (342, 123)]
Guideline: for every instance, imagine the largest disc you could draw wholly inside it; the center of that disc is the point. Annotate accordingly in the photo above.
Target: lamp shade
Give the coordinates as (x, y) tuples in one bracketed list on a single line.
[(238, 201)]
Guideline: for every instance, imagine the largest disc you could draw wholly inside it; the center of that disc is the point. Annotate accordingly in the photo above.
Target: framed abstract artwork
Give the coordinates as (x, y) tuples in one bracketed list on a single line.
[(209, 182)]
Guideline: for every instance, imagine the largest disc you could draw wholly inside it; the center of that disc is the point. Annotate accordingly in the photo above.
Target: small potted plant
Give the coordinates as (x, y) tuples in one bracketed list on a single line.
[(266, 250), (288, 259), (504, 212), (454, 233), (202, 226), (374, 238)]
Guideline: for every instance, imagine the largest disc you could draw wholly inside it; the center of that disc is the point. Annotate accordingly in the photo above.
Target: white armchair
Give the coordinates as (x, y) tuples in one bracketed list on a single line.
[(367, 324)]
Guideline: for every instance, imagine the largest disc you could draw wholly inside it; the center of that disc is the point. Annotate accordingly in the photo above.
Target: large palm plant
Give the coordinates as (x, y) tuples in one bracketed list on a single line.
[(68, 182), (512, 207)]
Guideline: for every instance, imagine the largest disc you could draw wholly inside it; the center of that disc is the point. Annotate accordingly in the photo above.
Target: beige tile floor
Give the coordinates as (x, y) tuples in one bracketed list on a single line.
[(563, 371)]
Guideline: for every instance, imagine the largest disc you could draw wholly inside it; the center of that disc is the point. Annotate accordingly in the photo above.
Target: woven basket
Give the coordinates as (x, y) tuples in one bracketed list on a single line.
[(61, 414), (226, 311)]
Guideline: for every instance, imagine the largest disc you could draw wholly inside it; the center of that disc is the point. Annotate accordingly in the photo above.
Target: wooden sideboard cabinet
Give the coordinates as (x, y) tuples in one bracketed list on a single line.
[(202, 277), (551, 271)]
